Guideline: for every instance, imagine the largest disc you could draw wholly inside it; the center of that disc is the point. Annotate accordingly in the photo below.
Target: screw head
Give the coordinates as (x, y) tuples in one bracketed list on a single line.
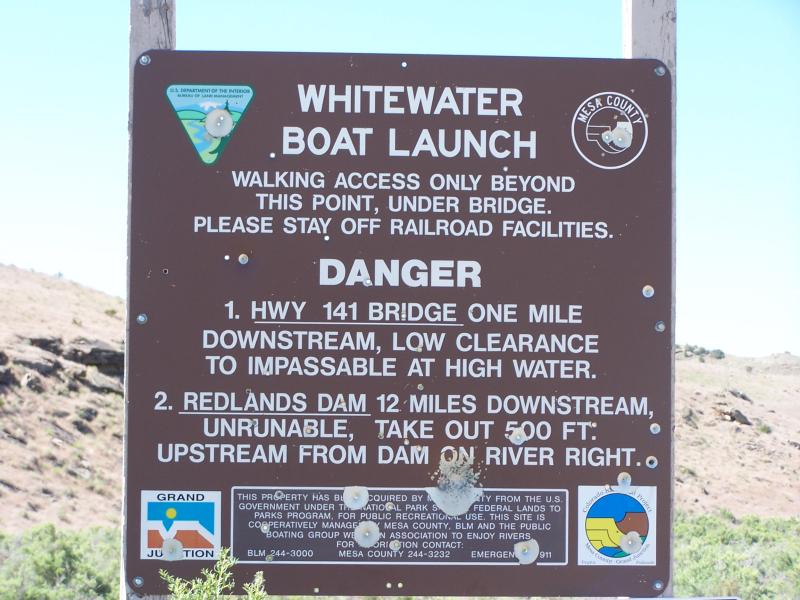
[(655, 428), (648, 291), (243, 259), (138, 581), (660, 71), (651, 462), (661, 326), (144, 60), (658, 585), (141, 319)]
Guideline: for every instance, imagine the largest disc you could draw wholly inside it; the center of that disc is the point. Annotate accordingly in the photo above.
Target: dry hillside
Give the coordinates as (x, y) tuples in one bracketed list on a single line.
[(737, 434), (737, 420), (61, 409)]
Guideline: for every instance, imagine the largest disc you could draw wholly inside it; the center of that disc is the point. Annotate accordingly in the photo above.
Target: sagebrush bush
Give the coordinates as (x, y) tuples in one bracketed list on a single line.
[(215, 583), (753, 558), (47, 564)]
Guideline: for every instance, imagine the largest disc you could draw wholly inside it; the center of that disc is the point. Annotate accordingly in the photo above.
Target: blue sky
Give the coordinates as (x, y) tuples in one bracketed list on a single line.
[(63, 173)]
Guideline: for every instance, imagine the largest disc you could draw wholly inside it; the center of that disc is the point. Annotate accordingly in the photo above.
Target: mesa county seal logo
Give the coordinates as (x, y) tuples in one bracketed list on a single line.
[(609, 130), (180, 525), (617, 525)]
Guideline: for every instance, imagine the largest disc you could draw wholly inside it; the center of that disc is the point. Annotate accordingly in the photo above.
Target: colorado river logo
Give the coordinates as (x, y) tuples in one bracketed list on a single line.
[(618, 525), (609, 130), (180, 525)]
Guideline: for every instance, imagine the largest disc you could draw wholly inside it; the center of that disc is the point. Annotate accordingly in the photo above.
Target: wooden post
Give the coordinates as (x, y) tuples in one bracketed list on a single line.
[(152, 27), (649, 31)]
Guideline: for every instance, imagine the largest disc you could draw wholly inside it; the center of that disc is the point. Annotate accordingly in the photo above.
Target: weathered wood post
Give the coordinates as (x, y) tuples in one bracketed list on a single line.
[(152, 26), (649, 31)]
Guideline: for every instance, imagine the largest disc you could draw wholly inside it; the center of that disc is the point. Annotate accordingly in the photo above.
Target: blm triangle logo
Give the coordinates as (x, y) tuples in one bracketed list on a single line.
[(209, 114)]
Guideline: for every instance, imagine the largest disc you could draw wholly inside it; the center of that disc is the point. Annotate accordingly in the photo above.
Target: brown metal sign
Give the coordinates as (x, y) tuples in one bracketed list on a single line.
[(401, 324)]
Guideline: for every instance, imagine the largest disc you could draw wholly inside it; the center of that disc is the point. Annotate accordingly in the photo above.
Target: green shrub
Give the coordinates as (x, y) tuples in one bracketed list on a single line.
[(47, 564), (753, 558), (213, 584)]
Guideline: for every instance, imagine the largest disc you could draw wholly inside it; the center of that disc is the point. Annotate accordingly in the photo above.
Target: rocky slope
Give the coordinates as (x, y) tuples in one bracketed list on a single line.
[(61, 409), (737, 420), (737, 434)]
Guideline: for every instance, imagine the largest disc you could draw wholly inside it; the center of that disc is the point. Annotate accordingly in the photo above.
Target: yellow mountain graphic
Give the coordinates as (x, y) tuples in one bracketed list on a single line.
[(603, 532)]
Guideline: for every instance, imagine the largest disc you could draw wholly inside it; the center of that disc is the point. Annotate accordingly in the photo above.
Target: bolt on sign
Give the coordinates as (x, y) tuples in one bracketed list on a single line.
[(401, 324)]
